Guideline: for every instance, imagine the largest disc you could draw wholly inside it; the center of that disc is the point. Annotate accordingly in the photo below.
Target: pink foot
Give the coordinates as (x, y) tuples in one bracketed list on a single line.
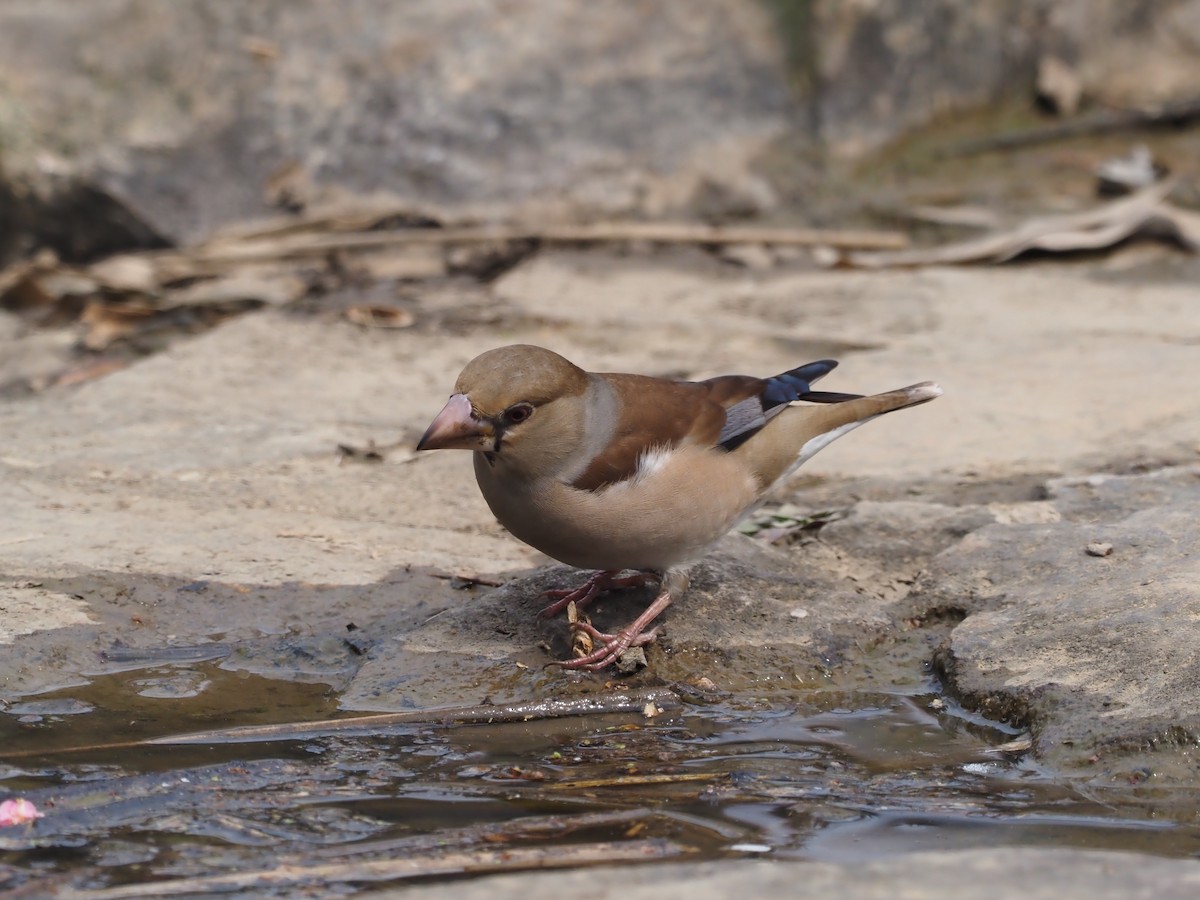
[(590, 590), (611, 646), (636, 634)]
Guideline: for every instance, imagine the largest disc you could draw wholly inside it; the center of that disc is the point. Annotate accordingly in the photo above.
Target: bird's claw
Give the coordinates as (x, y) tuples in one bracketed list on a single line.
[(580, 596), (589, 591), (612, 646)]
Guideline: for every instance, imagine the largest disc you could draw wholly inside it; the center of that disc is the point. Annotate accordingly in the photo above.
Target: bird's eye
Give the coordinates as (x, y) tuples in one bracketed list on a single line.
[(518, 413)]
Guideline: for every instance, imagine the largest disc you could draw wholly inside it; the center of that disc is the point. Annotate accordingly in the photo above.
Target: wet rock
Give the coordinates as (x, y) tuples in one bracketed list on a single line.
[(1037, 874), (1097, 652)]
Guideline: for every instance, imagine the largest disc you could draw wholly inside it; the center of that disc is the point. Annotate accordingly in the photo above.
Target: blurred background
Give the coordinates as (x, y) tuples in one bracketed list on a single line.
[(126, 123), (968, 629)]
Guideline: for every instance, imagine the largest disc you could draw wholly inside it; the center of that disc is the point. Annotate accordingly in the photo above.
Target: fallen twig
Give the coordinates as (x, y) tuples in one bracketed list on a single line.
[(492, 833), (302, 243), (589, 784), (474, 862), (601, 704), (632, 701)]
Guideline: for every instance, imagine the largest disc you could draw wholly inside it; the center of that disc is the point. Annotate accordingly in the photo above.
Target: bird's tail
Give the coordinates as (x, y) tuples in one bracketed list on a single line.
[(801, 431)]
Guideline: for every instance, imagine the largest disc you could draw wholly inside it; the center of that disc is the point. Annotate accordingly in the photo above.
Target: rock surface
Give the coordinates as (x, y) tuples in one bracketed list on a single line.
[(199, 115), (1025, 549), (124, 123), (1008, 872), (1100, 653), (885, 68), (197, 498)]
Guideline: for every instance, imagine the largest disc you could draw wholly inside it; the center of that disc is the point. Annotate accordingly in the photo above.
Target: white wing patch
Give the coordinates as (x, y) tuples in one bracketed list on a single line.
[(652, 462)]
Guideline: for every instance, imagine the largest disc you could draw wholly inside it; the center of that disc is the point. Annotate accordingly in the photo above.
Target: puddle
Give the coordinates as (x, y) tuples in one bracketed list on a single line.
[(834, 775)]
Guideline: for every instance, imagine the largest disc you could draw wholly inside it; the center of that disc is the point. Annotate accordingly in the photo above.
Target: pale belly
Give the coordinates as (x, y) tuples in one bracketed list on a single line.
[(666, 520)]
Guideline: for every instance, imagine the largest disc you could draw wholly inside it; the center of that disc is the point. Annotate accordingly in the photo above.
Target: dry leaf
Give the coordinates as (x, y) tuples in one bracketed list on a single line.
[(373, 316), (109, 322)]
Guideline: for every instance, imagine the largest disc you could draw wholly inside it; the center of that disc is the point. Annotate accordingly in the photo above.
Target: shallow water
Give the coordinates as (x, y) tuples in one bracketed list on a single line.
[(832, 775)]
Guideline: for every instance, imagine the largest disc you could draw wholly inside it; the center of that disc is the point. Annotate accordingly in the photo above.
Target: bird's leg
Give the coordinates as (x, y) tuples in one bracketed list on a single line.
[(590, 590), (635, 634)]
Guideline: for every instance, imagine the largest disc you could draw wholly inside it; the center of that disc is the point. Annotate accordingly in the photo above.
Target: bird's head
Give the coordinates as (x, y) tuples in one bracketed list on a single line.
[(522, 404)]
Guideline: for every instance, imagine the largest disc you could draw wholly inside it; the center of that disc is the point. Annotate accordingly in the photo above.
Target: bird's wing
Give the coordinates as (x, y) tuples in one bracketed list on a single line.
[(653, 415), (656, 415), (750, 403)]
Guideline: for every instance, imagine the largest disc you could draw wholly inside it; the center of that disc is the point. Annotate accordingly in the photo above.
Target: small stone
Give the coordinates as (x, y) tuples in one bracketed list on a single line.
[(1125, 174), (631, 660), (748, 256), (1096, 548), (825, 256)]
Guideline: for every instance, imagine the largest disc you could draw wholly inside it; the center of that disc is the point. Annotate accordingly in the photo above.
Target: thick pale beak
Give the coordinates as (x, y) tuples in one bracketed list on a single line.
[(456, 428)]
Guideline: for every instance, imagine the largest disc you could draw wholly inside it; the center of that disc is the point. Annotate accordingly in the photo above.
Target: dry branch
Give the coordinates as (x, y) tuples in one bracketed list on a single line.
[(473, 862), (597, 705)]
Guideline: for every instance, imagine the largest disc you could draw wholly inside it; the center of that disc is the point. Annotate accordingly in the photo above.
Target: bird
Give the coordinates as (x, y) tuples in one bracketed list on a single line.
[(633, 476)]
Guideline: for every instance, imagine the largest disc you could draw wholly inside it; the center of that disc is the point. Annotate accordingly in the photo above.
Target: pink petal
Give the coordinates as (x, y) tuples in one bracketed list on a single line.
[(18, 812)]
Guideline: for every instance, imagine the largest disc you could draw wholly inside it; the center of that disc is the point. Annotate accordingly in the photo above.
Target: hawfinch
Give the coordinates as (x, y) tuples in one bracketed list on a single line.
[(624, 473)]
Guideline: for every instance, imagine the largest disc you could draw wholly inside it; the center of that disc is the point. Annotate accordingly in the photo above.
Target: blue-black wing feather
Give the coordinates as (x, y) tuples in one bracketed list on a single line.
[(746, 417)]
